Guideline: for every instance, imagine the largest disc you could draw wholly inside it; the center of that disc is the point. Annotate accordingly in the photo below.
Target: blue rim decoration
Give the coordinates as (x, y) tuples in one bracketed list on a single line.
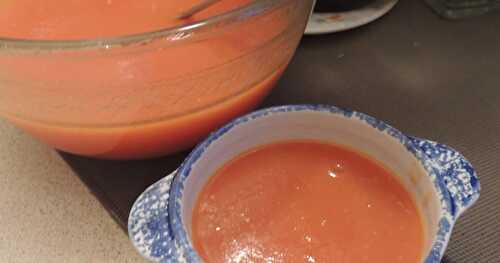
[(157, 230), (148, 226)]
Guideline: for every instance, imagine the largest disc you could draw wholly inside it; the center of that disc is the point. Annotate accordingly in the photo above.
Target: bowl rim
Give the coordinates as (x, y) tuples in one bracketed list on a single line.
[(446, 220), (170, 34)]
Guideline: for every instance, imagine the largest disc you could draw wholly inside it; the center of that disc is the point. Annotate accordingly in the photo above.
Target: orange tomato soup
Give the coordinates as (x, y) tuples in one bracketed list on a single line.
[(306, 201), (90, 19), (136, 101)]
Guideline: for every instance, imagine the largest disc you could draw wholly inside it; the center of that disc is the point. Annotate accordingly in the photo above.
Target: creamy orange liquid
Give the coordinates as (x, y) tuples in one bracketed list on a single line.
[(304, 201), (141, 100), (89, 19), (147, 140)]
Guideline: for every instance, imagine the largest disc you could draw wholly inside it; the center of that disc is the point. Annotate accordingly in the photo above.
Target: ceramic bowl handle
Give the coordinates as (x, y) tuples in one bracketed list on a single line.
[(456, 174), (148, 224)]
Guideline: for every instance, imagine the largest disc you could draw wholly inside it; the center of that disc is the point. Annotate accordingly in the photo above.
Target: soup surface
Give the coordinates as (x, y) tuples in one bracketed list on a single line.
[(87, 19), (306, 201)]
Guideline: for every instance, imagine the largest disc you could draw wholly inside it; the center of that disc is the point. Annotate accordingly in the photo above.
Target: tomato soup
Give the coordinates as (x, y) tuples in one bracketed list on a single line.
[(90, 19), (306, 201), (138, 101)]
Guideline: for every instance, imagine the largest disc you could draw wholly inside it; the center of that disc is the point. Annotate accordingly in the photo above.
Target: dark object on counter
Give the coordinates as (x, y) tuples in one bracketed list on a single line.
[(331, 6), (456, 9), (429, 77)]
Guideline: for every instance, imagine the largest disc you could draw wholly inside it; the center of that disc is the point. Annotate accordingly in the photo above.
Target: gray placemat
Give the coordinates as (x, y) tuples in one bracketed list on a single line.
[(429, 77)]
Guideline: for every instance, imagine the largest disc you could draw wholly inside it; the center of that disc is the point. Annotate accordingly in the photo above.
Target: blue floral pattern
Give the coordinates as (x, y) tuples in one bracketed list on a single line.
[(456, 174), (148, 225), (155, 225)]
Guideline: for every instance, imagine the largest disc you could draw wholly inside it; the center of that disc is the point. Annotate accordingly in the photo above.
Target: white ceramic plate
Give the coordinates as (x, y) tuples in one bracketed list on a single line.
[(323, 23)]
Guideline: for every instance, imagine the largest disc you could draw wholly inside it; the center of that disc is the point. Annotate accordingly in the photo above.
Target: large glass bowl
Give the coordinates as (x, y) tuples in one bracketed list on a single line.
[(149, 94)]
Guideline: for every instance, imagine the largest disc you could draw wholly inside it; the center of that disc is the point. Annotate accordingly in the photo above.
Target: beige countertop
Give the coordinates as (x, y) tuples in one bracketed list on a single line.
[(46, 213)]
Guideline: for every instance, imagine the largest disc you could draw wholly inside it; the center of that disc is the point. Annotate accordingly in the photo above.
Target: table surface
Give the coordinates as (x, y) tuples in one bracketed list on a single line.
[(47, 214), (429, 77)]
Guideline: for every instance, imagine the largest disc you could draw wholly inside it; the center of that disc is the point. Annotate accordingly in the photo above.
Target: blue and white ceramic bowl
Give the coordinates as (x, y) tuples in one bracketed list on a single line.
[(441, 180)]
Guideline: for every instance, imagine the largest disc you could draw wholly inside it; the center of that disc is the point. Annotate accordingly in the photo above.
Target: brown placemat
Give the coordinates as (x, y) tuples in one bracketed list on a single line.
[(431, 78)]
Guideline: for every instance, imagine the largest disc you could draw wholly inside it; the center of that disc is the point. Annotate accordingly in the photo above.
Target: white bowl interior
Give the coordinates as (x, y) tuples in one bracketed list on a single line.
[(322, 126)]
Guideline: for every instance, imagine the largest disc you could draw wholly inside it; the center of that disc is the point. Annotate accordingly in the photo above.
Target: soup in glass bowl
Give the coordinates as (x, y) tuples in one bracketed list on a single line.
[(127, 80)]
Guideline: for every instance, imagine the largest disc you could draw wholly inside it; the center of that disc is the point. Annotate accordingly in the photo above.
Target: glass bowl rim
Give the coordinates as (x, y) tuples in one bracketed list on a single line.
[(256, 7)]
